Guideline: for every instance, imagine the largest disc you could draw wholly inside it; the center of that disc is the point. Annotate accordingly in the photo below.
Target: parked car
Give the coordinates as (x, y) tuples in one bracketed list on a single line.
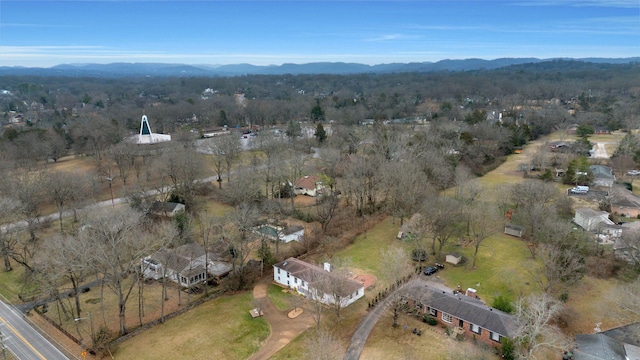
[(430, 270), (633, 172)]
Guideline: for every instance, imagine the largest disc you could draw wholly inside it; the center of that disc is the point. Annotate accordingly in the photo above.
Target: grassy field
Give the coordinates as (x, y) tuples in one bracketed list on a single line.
[(11, 284), (365, 252), (504, 267), (218, 329)]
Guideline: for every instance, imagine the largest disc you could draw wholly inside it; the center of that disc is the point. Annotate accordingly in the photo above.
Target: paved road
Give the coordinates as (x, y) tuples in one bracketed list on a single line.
[(22, 340)]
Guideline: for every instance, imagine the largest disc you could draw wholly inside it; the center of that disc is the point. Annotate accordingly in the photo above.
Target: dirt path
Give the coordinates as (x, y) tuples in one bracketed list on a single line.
[(283, 329)]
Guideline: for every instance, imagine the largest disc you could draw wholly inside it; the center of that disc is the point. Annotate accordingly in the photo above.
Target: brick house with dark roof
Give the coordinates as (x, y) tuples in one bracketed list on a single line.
[(627, 206), (463, 314), (312, 281)]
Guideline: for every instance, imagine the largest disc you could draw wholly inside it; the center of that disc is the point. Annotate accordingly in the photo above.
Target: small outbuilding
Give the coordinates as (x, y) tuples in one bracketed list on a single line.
[(453, 258), (167, 209), (514, 230)]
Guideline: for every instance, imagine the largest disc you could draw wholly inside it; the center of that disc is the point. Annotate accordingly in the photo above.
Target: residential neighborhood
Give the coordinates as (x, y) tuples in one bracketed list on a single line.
[(360, 216)]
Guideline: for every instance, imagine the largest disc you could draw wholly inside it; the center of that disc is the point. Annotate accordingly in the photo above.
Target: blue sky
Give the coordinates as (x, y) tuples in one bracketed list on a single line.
[(47, 33)]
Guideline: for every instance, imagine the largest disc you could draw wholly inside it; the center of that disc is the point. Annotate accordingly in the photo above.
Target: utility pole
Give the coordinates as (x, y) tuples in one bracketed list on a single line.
[(2, 346), (110, 180)]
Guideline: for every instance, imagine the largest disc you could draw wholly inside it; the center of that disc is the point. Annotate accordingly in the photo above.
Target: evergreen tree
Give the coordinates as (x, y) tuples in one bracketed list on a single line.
[(317, 114), (321, 134)]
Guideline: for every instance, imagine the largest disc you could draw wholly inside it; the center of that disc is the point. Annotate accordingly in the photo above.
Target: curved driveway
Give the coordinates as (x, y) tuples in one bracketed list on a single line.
[(360, 336)]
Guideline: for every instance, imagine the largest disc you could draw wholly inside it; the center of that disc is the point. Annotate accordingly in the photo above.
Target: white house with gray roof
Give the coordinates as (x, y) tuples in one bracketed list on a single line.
[(186, 265), (315, 282)]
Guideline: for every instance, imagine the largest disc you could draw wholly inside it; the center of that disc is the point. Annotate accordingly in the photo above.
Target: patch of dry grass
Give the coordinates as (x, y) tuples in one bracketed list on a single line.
[(593, 301), (107, 315), (387, 342), (219, 329)]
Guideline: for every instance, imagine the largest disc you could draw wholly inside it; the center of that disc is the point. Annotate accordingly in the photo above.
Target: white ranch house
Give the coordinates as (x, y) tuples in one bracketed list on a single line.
[(315, 282), (590, 219)]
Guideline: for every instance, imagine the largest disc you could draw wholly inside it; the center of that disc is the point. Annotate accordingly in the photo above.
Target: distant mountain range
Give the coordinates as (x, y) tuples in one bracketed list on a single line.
[(116, 70)]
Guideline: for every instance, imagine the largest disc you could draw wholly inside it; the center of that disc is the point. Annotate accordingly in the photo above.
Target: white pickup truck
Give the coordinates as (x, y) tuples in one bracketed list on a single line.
[(579, 190)]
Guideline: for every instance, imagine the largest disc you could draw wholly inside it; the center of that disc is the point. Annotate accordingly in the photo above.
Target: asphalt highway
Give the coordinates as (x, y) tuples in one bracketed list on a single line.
[(22, 340)]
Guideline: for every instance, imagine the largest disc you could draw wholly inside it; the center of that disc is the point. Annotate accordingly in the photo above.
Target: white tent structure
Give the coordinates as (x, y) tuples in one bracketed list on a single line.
[(146, 136)]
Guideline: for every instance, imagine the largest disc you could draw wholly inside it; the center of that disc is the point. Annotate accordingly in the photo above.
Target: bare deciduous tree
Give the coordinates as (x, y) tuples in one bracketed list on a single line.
[(322, 345), (628, 246), (397, 265), (8, 236), (244, 189), (467, 191), (119, 241), (69, 258), (326, 207), (561, 254), (28, 189), (440, 215), (534, 201), (404, 187), (215, 148), (535, 328), (482, 223), (184, 168), (238, 240), (124, 156), (67, 189)]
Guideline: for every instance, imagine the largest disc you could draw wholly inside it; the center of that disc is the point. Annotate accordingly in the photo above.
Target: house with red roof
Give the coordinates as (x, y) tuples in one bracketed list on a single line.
[(308, 185)]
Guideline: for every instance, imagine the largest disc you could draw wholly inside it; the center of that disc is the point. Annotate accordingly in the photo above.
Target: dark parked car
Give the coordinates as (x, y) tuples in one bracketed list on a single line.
[(430, 270)]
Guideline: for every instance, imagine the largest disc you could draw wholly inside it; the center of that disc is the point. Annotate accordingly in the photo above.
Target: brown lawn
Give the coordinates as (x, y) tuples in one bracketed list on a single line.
[(98, 315), (387, 342)]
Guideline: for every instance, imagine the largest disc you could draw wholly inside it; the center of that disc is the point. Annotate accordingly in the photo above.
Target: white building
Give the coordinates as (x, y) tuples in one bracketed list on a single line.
[(186, 265), (308, 185), (148, 137), (277, 233), (318, 283), (591, 220)]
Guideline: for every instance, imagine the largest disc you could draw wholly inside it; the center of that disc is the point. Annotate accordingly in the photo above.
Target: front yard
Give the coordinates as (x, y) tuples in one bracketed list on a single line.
[(218, 329)]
